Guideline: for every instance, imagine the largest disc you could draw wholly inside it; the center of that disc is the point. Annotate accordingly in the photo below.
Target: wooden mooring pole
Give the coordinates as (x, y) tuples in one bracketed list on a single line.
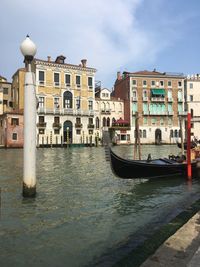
[(137, 137), (189, 169)]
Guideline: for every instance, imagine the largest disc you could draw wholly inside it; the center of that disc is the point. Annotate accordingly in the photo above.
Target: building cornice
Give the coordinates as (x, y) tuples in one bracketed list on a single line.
[(63, 66)]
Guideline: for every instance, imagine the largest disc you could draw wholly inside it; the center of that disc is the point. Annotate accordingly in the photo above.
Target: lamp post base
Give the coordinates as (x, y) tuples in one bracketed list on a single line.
[(29, 191)]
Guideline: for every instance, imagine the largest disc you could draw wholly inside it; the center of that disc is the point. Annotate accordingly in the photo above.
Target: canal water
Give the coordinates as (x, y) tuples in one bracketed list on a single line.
[(83, 214)]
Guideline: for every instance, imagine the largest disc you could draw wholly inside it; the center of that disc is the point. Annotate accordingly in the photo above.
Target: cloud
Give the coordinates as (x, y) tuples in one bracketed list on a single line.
[(112, 34)]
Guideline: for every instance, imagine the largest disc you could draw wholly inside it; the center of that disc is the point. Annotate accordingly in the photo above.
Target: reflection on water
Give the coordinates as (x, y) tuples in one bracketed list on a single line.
[(82, 212)]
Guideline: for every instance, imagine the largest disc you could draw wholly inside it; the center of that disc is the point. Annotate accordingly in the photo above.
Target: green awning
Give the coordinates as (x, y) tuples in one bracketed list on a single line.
[(158, 91)]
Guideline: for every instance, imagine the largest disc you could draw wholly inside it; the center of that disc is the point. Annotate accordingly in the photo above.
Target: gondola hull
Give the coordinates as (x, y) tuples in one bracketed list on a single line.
[(133, 169)]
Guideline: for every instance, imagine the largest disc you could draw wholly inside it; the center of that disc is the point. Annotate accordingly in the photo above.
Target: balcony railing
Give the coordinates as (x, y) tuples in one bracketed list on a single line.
[(157, 99), (134, 98), (41, 124), (78, 125), (145, 98), (90, 126), (107, 111), (57, 125), (125, 127), (66, 111), (158, 113)]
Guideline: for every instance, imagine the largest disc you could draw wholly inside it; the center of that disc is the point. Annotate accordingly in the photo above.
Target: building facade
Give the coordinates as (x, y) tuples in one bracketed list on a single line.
[(6, 103), (158, 99), (11, 130), (108, 111), (65, 101), (192, 87)]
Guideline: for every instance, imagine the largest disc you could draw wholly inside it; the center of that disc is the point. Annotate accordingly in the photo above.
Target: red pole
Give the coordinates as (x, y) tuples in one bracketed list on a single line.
[(189, 169)]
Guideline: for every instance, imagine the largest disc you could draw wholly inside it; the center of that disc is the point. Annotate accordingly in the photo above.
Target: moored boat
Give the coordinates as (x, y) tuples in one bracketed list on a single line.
[(162, 167)]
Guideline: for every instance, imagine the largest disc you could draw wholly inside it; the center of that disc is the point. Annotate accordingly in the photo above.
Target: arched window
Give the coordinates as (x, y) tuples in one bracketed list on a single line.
[(104, 122), (97, 123), (171, 134), (176, 133), (113, 120), (144, 134), (67, 99), (108, 122)]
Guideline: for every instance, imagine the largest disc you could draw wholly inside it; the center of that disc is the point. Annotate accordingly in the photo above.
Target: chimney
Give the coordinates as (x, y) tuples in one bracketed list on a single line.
[(119, 76), (84, 62), (49, 58)]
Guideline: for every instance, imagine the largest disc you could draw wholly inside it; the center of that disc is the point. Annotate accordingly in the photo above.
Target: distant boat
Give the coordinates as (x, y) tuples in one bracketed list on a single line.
[(193, 145), (132, 169)]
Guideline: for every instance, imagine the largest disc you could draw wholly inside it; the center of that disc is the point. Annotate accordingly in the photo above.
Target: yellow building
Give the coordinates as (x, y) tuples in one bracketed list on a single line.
[(6, 103), (65, 95)]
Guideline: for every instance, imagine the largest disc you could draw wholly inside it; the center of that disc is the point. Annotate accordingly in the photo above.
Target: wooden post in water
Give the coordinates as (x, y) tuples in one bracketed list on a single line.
[(189, 169), (137, 137), (181, 133)]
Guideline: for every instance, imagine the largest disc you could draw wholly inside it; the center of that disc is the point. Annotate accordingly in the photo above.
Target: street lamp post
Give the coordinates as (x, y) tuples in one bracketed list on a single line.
[(28, 49)]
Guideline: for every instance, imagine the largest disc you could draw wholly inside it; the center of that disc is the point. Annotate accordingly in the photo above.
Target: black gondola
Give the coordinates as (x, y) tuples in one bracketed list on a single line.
[(192, 145), (133, 169)]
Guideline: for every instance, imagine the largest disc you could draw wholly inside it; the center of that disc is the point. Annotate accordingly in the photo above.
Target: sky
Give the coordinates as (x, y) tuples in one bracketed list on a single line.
[(113, 35)]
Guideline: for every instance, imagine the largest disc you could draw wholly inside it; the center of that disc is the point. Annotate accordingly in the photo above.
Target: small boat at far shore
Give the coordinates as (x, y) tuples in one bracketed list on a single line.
[(150, 168), (193, 145)]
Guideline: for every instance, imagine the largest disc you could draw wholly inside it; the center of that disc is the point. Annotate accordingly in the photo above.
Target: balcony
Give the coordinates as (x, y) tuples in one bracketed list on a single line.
[(145, 98), (90, 126), (134, 98), (57, 125), (107, 111), (41, 124), (157, 99), (160, 113), (182, 113), (78, 125)]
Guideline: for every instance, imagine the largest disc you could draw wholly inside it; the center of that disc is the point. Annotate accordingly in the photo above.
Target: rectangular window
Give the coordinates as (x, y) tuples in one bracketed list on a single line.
[(179, 84), (57, 120), (191, 85), (169, 84), (161, 83), (41, 77), (78, 81), (56, 78), (5, 91), (41, 119), (134, 82), (41, 131), (191, 98), (78, 131), (90, 131), (153, 83), (5, 102), (145, 120), (15, 121), (56, 131), (90, 82), (41, 101), (67, 79), (78, 120), (56, 102), (90, 105), (145, 83), (78, 103), (14, 136), (90, 121)]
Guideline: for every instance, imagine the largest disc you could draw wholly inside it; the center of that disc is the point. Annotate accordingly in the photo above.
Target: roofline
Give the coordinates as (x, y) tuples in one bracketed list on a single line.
[(63, 65)]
